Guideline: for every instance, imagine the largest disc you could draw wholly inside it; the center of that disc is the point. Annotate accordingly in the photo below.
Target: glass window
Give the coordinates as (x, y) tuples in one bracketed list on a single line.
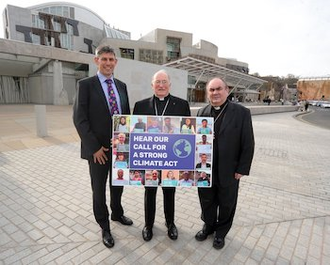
[(65, 11), (72, 12), (59, 11), (52, 10), (57, 26), (35, 39), (173, 48), (127, 53)]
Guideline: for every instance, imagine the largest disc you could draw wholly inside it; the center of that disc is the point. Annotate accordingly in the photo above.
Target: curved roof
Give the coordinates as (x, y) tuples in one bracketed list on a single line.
[(49, 4), (82, 13), (198, 67)]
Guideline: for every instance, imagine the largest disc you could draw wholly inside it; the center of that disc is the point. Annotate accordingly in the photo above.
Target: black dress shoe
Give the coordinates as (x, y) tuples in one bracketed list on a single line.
[(218, 242), (172, 231), (123, 220), (107, 239), (147, 233), (204, 233)]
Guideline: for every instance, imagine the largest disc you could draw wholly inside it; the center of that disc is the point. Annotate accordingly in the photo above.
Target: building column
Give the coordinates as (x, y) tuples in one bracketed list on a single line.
[(60, 94)]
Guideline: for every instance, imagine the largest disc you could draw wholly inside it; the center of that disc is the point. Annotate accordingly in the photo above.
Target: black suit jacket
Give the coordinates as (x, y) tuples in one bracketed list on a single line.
[(235, 144), (91, 114), (199, 165), (176, 107)]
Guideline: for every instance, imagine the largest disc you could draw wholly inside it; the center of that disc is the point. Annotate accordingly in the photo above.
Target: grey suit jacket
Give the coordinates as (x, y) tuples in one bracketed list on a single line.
[(91, 114), (235, 144)]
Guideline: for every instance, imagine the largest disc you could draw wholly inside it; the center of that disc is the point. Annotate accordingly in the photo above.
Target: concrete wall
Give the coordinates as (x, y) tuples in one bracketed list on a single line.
[(18, 16), (40, 88), (258, 110), (88, 32), (137, 76)]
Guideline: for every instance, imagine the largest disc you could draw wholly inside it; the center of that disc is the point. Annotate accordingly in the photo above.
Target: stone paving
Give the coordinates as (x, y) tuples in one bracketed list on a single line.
[(283, 214)]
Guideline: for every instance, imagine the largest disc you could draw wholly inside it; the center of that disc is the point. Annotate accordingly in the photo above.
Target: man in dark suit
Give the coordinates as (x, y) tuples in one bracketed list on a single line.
[(233, 148), (160, 104), (92, 116)]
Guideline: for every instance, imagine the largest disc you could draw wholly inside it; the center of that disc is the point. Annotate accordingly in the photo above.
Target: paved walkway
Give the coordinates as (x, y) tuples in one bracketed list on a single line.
[(283, 214)]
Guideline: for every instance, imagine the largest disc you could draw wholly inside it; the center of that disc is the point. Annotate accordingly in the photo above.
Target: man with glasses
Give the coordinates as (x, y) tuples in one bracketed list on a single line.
[(160, 104), (98, 98), (233, 148)]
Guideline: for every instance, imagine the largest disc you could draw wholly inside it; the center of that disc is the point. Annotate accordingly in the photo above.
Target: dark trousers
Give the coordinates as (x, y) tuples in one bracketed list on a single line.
[(218, 206), (99, 176), (150, 204)]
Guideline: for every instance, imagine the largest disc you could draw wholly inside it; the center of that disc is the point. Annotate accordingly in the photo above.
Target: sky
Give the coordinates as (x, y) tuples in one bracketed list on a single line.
[(275, 37)]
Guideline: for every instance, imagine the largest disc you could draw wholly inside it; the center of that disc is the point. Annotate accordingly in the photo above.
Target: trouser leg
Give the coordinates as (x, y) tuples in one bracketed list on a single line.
[(227, 206), (99, 176), (150, 205), (169, 204), (116, 193), (208, 201)]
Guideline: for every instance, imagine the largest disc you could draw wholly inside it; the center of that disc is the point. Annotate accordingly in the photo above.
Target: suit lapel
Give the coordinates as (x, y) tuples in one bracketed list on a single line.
[(122, 96), (228, 117), (206, 112), (100, 92), (151, 106)]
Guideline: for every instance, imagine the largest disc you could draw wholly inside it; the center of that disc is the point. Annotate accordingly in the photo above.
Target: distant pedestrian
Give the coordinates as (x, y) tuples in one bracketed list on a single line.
[(306, 105)]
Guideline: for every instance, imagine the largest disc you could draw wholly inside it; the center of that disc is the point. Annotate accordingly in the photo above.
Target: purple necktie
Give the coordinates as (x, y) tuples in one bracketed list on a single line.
[(112, 98)]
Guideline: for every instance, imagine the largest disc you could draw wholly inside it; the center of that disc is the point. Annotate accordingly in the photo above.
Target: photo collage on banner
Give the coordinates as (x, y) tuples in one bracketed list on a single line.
[(166, 151)]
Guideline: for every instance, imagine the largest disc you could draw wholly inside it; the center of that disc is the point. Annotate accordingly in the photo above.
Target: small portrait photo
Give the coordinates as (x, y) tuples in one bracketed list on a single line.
[(121, 142), (121, 123), (120, 177), (204, 125), (138, 124), (171, 125), (188, 125), (203, 161), (170, 178), (186, 178), (154, 124), (136, 177), (152, 178), (121, 160), (204, 139), (202, 178)]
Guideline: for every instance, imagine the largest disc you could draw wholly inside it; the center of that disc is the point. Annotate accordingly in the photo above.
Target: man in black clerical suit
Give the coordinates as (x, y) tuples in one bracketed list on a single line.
[(160, 104), (233, 148), (92, 116)]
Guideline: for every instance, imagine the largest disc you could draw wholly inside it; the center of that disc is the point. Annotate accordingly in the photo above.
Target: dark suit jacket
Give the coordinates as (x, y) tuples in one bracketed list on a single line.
[(176, 107), (235, 144), (91, 114), (199, 165)]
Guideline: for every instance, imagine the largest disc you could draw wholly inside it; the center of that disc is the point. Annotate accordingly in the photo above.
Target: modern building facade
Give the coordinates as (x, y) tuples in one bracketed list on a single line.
[(49, 47)]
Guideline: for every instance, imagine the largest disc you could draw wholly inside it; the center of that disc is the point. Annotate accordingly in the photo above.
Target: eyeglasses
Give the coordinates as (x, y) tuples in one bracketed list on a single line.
[(158, 82)]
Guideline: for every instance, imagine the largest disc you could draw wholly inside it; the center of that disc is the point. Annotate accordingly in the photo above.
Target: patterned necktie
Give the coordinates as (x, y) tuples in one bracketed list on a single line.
[(112, 98)]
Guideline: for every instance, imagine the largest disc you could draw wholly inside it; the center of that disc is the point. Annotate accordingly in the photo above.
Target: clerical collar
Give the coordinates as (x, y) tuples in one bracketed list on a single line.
[(217, 108), (162, 99)]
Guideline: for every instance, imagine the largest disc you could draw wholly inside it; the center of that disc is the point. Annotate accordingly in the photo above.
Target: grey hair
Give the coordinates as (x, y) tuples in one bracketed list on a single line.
[(158, 72)]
